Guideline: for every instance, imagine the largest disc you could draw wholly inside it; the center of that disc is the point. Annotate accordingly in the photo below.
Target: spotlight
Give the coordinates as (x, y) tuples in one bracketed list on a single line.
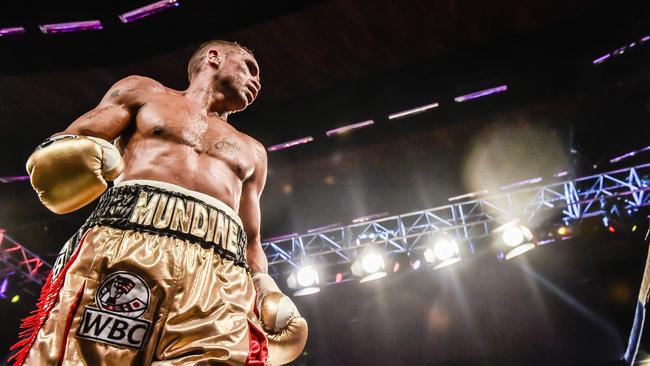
[(516, 237), (416, 264), (369, 265), (563, 230), (339, 277), (444, 251), (15, 299), (305, 281)]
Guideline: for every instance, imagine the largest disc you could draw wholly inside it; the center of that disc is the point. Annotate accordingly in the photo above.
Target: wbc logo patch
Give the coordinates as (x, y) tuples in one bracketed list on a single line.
[(123, 298)]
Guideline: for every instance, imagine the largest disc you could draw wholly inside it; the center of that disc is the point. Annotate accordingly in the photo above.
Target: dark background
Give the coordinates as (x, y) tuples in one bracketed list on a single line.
[(325, 64)]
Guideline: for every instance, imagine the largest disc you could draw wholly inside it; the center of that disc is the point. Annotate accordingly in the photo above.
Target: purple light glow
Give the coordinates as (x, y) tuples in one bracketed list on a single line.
[(19, 178), (544, 242), (645, 39), (348, 128), (369, 217), (628, 155), (323, 228), (3, 287), (11, 31), (523, 183), (481, 93), (467, 195), (280, 237), (601, 59), (291, 143), (71, 27), (561, 174), (412, 111), (148, 10)]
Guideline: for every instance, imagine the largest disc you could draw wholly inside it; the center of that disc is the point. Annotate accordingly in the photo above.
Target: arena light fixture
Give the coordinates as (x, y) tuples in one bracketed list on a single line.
[(288, 144), (18, 178), (413, 111), (348, 128), (71, 26), (601, 59), (280, 237), (628, 155), (305, 281), (144, 11), (468, 195), (481, 93), (11, 31), (522, 183), (443, 251), (517, 238), (370, 265)]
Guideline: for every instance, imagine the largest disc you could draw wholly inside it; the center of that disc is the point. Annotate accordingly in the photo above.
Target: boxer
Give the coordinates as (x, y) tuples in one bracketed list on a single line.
[(169, 268)]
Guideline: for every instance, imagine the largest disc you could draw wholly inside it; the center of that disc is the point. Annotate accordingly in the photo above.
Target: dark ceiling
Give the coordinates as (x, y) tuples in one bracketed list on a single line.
[(325, 64)]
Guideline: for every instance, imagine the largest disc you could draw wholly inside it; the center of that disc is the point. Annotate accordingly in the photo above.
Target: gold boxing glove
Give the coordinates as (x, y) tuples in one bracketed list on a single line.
[(286, 330), (70, 171)]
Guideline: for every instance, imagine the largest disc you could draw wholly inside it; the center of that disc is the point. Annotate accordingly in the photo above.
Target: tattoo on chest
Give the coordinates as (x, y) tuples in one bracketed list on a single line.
[(226, 145)]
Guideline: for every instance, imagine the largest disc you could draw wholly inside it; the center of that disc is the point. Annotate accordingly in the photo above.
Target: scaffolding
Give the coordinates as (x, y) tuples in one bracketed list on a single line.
[(573, 199), (26, 270)]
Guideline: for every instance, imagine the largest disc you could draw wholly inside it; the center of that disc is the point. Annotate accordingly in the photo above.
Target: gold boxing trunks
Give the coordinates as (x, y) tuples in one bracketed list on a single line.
[(157, 275)]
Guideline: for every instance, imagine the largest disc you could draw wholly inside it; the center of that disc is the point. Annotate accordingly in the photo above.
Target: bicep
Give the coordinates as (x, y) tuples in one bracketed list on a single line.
[(250, 213), (106, 121)]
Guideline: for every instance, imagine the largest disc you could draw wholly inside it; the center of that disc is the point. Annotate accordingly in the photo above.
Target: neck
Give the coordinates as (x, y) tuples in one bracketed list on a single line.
[(202, 92)]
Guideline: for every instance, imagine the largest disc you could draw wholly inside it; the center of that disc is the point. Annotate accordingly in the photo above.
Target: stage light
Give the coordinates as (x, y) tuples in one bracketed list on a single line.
[(15, 299), (396, 267), (481, 93), (416, 264), (11, 31), (339, 277), (71, 27), (348, 128), (516, 237), (369, 265), (412, 111), (513, 236), (288, 144), (305, 281), (443, 252), (563, 230), (634, 228), (601, 59), (147, 10), (372, 263), (611, 229)]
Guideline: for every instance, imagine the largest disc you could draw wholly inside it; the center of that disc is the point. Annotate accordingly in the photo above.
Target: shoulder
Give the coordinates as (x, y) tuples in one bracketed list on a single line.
[(132, 89), (140, 83), (258, 149)]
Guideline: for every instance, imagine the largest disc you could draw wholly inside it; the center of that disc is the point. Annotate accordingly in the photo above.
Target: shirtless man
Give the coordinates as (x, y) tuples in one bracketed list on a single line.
[(169, 269)]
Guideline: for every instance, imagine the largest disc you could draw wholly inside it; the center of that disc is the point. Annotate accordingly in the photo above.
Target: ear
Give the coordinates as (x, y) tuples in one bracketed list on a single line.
[(214, 57)]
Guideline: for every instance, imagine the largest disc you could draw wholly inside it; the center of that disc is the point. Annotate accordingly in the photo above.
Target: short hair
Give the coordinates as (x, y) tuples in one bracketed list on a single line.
[(194, 65)]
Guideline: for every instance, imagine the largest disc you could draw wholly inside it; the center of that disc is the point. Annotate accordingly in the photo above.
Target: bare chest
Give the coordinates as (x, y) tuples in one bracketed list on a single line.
[(214, 141)]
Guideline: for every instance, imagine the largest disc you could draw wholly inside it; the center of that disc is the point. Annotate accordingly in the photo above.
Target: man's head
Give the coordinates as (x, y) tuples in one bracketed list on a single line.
[(232, 70)]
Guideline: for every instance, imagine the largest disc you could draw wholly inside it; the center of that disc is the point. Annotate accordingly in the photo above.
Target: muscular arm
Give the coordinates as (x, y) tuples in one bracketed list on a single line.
[(249, 211), (115, 111)]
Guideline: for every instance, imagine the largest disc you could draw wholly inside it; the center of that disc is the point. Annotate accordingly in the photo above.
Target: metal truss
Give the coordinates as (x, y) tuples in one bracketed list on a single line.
[(18, 262), (466, 221)]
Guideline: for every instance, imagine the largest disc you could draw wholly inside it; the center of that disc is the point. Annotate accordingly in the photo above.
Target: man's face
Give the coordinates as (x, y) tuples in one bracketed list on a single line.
[(238, 79)]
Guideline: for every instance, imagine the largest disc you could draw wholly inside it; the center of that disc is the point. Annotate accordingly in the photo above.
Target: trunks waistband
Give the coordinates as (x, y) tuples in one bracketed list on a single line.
[(166, 209)]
